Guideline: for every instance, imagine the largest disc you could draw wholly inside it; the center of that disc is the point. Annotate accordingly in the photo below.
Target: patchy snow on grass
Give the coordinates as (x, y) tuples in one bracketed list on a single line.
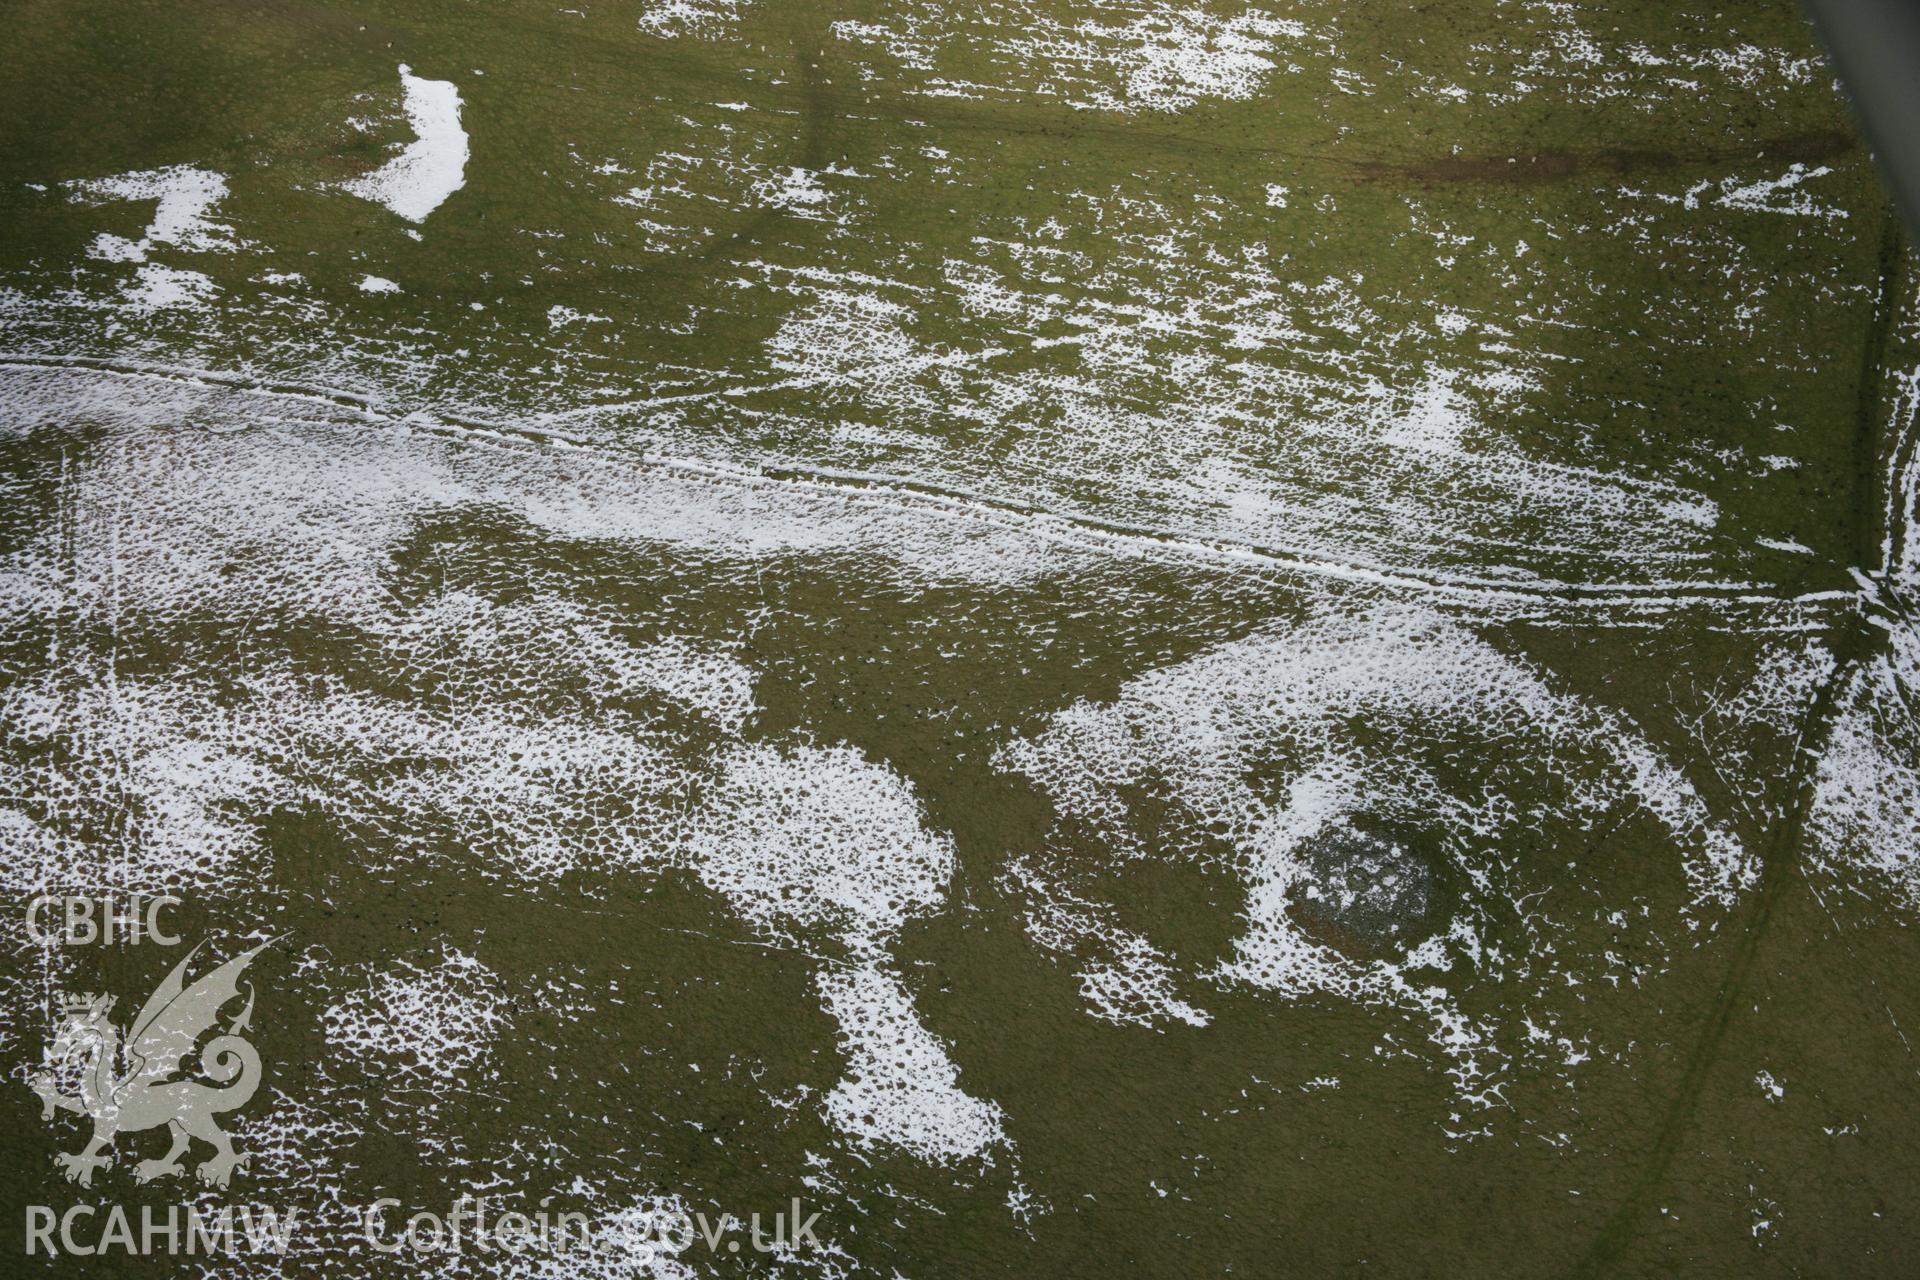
[(901, 1088), (182, 217), (702, 19), (432, 1021), (156, 288)]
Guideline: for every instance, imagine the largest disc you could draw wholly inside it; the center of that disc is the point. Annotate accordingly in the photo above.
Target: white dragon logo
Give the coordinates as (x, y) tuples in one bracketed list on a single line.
[(125, 1084)]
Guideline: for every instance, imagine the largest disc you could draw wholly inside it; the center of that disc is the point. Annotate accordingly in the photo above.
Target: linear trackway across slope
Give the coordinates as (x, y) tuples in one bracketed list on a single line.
[(1588, 603)]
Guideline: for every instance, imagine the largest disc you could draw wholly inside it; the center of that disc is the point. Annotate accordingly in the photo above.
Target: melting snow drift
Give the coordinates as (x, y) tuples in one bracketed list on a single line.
[(434, 166)]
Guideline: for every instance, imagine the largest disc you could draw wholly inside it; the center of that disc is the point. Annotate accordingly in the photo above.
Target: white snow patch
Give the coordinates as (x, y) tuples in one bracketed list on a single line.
[(1172, 58), (1431, 693), (434, 165), (558, 317), (1865, 820), (1779, 195), (815, 840), (819, 838), (702, 19), (901, 1088), (1127, 980), (795, 190), (156, 288), (182, 215)]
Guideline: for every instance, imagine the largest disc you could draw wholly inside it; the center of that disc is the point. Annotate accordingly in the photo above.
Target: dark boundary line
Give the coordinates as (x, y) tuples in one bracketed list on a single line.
[(1851, 645)]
